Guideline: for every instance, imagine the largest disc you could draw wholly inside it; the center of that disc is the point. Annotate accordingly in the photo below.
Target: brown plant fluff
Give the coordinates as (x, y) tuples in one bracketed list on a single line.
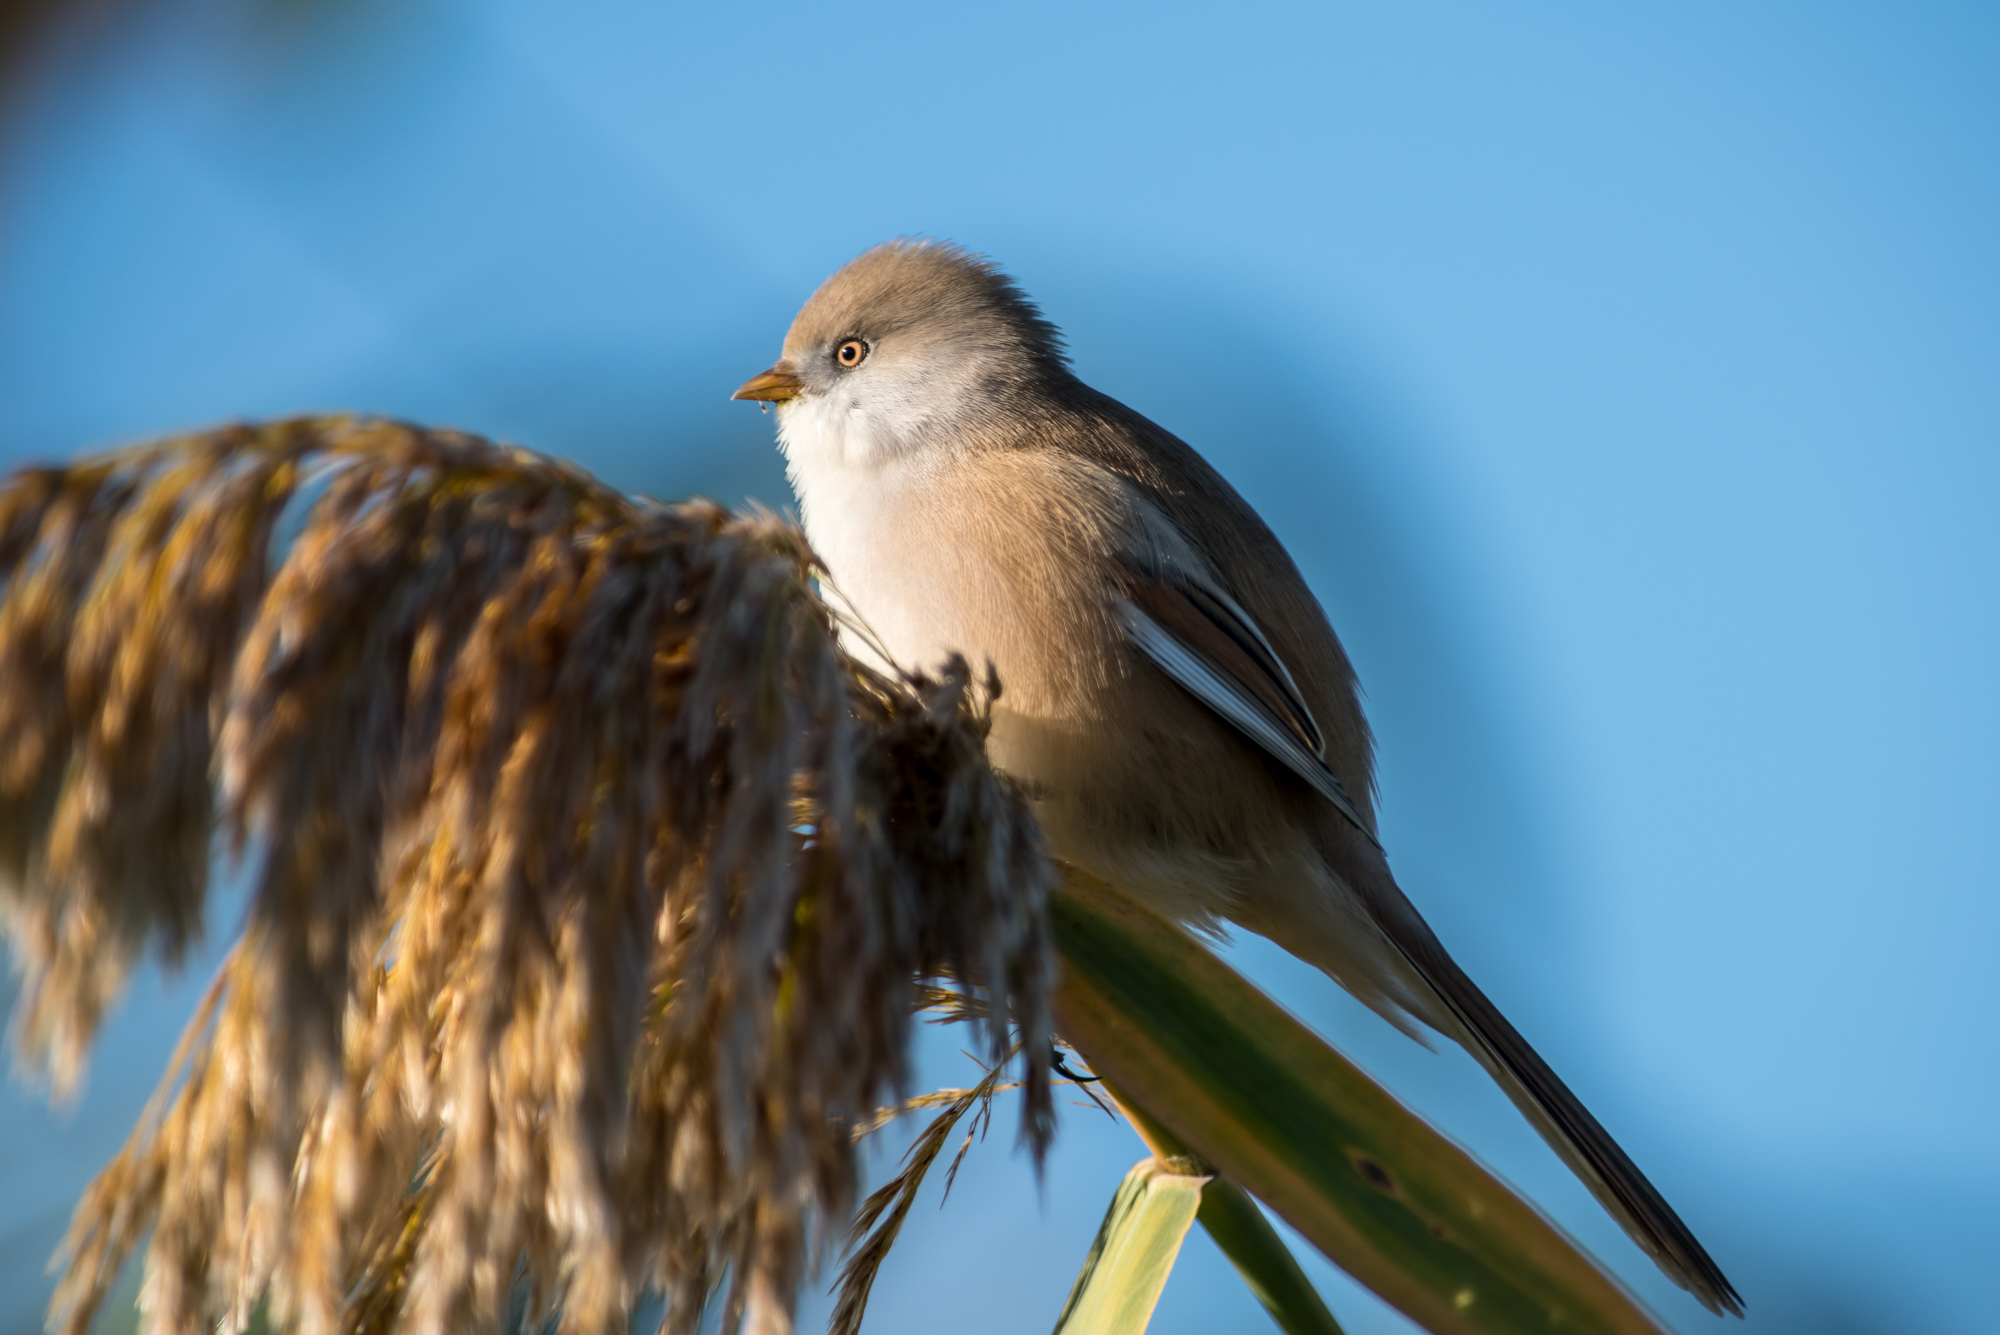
[(593, 883)]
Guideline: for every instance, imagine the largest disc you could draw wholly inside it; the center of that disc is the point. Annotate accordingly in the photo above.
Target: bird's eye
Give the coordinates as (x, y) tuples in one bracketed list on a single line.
[(851, 352)]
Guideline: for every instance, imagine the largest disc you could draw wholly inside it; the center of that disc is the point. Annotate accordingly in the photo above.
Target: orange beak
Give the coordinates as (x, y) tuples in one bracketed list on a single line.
[(773, 386)]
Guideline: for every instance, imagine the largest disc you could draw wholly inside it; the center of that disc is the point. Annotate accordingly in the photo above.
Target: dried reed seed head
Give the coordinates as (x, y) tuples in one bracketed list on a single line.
[(595, 887)]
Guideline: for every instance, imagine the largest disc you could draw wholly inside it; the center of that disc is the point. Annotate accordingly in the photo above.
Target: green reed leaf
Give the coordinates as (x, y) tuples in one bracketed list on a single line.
[(1263, 1260), (1186, 1042)]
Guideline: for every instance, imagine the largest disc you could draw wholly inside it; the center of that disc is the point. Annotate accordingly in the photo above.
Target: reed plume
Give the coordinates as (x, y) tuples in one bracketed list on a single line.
[(593, 885)]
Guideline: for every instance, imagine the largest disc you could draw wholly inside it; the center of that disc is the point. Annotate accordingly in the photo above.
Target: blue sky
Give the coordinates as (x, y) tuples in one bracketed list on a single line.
[(1626, 381)]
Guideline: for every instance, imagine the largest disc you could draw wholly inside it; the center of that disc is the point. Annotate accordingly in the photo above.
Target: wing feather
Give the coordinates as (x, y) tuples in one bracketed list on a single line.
[(1200, 637)]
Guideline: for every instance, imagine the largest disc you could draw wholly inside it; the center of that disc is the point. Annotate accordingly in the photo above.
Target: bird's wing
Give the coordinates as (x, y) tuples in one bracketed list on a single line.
[(1205, 641)]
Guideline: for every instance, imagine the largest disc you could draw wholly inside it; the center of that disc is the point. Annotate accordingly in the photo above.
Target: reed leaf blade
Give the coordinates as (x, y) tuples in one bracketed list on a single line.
[(1262, 1259), (1194, 1046), (1134, 1252)]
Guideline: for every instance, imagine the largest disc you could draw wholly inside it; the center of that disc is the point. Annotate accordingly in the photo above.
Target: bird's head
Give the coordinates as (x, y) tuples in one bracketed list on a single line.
[(911, 346)]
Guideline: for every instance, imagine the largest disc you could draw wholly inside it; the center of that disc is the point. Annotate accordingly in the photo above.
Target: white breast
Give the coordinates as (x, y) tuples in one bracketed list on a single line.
[(1000, 555), (869, 508)]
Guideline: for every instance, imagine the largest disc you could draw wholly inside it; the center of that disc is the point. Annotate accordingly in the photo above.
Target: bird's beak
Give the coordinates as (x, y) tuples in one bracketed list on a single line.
[(773, 386)]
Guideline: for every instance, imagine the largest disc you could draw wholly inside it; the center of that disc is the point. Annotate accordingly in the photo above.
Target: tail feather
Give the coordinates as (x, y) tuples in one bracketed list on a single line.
[(1557, 1113)]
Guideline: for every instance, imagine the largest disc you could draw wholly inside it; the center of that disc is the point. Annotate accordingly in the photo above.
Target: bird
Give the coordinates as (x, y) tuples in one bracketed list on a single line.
[(1174, 700)]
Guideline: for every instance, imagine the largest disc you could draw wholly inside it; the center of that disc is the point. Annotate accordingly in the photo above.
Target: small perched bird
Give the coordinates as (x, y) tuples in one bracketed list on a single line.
[(1174, 699)]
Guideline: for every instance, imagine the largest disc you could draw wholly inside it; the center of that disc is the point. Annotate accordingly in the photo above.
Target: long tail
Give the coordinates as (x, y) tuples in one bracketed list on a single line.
[(1548, 1103)]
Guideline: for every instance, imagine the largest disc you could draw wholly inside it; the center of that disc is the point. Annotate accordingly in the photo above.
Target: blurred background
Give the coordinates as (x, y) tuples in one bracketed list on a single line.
[(1625, 379)]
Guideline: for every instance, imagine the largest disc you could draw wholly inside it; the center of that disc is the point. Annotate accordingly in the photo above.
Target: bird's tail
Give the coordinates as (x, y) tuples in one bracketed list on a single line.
[(1477, 1024)]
